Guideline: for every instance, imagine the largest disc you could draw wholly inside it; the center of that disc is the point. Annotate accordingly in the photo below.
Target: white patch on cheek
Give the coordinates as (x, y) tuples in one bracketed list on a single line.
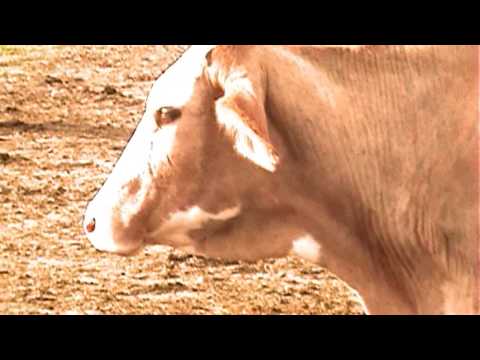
[(307, 248), (164, 141), (175, 230)]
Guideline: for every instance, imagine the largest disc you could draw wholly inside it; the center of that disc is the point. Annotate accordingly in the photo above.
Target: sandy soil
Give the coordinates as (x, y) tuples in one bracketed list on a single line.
[(65, 115)]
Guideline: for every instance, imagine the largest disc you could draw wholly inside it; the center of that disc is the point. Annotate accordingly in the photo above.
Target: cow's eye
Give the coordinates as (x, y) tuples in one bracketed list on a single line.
[(167, 115)]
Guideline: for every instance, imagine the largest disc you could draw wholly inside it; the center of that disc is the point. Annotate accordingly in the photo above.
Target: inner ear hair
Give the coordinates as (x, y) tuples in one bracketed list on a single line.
[(242, 112)]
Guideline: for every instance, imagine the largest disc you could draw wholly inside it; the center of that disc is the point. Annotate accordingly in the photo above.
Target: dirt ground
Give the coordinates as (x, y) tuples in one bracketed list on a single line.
[(66, 113)]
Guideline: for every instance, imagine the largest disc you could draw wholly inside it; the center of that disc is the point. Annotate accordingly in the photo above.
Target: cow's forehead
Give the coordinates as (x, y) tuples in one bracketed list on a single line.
[(175, 87)]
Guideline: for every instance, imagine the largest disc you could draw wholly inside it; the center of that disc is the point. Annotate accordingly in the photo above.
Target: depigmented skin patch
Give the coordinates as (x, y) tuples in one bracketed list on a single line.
[(175, 230), (307, 248)]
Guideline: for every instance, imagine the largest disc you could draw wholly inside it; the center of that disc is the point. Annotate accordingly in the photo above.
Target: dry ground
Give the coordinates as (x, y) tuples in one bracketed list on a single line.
[(65, 115)]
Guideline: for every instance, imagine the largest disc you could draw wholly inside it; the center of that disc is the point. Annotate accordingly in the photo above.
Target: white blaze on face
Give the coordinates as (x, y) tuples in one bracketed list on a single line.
[(106, 226), (124, 193), (175, 230), (102, 237), (307, 248), (176, 86), (163, 143)]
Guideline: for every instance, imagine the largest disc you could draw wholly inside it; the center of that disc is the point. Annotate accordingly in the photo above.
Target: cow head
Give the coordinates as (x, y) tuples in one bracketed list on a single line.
[(192, 169)]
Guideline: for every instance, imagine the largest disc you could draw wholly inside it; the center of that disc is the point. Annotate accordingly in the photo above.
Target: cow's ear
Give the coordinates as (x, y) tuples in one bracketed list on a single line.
[(242, 112)]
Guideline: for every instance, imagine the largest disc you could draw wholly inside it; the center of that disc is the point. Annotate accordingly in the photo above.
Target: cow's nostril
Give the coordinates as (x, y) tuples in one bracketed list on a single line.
[(91, 226)]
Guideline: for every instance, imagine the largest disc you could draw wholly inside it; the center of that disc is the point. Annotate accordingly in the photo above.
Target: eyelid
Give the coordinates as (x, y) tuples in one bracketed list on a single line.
[(166, 115)]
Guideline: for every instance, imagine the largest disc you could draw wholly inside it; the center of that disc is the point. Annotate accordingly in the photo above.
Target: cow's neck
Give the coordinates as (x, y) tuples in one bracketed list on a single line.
[(369, 152)]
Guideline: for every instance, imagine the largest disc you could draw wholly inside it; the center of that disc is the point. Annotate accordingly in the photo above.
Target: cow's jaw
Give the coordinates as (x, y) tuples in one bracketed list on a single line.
[(175, 231)]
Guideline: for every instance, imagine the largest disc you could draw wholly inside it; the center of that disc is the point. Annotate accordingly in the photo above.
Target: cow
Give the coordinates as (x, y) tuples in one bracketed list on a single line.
[(361, 159)]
